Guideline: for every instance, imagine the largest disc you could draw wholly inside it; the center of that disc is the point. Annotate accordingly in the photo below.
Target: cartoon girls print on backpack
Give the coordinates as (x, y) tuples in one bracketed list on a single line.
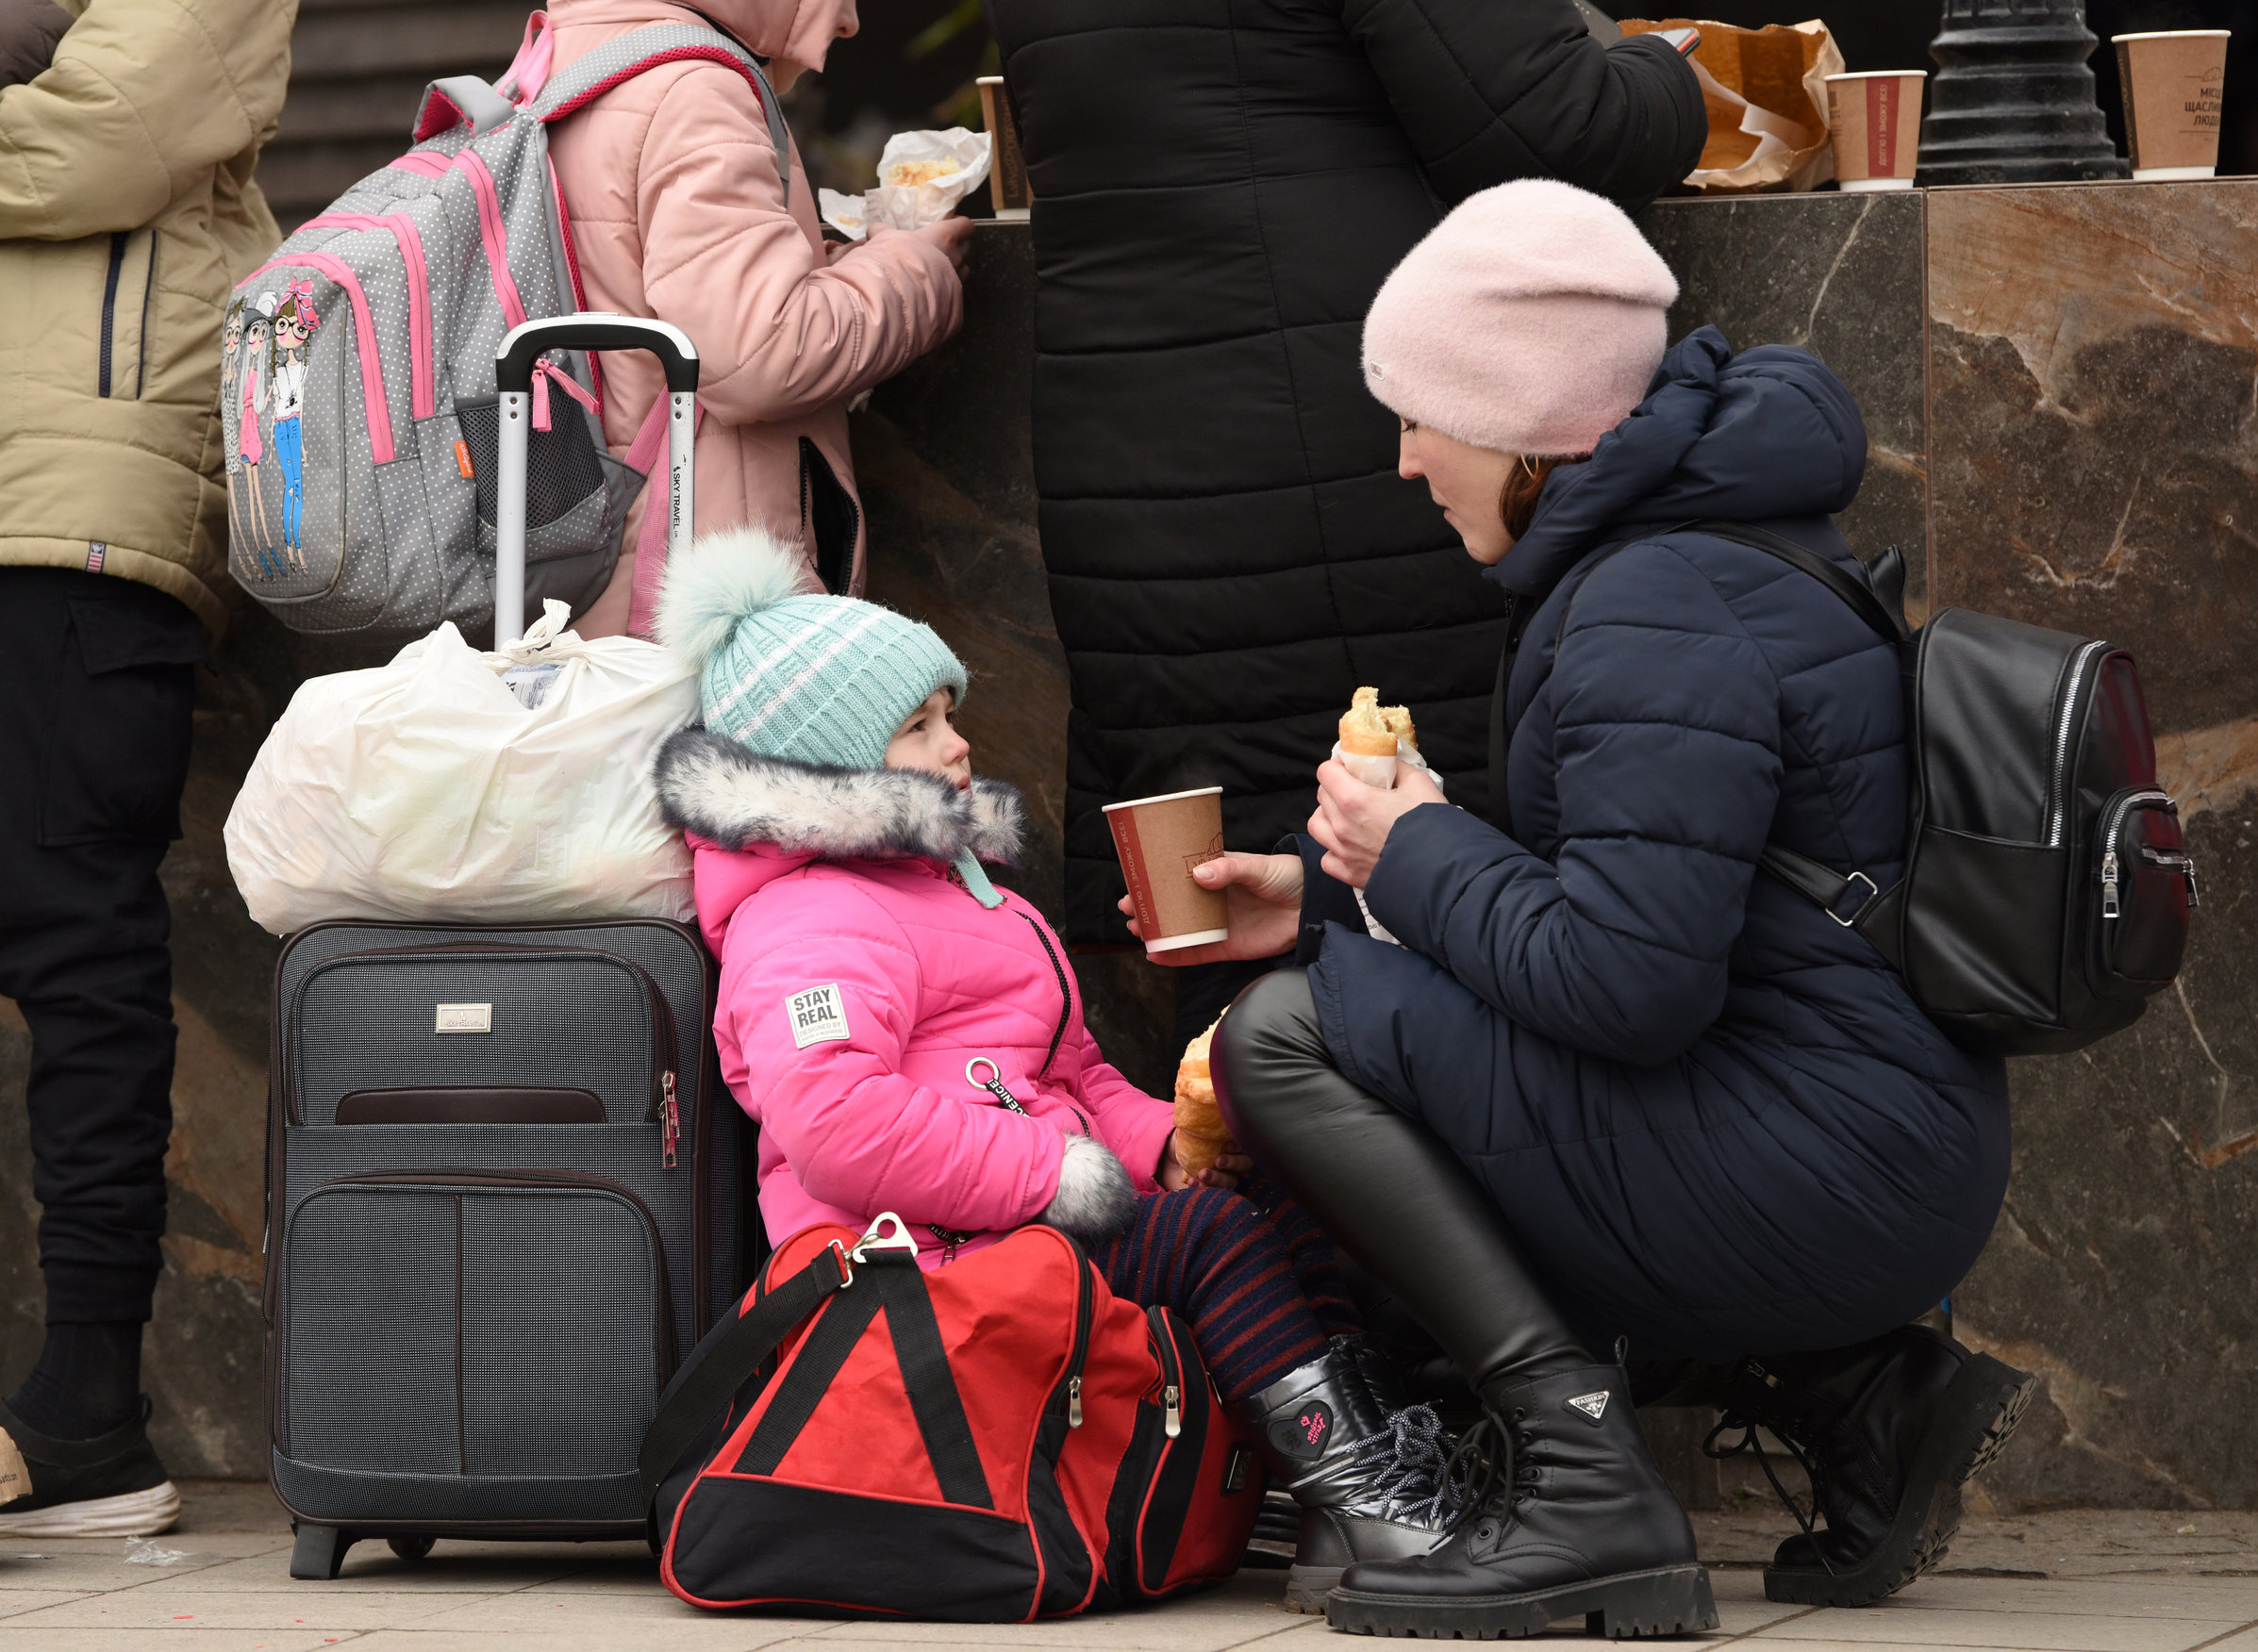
[(294, 323), (243, 391)]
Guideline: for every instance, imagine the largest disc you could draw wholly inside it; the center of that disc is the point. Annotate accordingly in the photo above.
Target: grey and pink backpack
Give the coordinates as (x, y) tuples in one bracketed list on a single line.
[(357, 381)]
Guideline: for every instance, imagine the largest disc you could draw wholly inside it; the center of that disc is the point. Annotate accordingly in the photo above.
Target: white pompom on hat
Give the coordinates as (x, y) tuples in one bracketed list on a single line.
[(1530, 321), (786, 670)]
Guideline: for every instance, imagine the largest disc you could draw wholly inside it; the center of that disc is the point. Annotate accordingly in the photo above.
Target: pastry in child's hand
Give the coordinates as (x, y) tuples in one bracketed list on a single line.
[(1202, 1137)]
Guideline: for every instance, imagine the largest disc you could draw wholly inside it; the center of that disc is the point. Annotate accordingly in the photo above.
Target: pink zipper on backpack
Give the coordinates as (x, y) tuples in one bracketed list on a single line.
[(422, 163), (423, 393), (496, 238), (374, 405)]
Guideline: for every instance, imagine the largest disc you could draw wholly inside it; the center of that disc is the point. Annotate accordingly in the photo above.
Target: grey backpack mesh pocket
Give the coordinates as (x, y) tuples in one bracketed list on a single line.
[(564, 481)]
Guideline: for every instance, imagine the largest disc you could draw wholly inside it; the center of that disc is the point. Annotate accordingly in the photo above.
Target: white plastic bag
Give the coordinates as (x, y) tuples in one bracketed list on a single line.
[(467, 788), (922, 177)]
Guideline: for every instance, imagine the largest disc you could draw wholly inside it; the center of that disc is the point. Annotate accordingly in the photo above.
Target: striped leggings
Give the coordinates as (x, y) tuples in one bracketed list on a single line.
[(1250, 1273)]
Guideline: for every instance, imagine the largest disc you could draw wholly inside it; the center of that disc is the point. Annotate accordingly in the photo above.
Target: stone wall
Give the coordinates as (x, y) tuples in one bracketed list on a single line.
[(2059, 388), (2058, 385)]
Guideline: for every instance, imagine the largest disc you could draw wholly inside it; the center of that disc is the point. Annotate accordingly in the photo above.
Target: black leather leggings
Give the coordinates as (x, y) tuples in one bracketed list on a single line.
[(1383, 1188)]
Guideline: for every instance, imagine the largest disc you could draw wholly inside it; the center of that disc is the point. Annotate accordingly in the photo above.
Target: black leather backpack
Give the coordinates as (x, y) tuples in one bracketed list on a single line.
[(2046, 885)]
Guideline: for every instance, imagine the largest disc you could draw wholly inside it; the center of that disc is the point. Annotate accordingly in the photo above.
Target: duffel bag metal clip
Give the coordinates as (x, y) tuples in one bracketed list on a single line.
[(878, 1239)]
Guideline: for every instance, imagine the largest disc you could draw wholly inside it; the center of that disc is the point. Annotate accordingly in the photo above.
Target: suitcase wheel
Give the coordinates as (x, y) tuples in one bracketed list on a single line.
[(409, 1548), (320, 1552)]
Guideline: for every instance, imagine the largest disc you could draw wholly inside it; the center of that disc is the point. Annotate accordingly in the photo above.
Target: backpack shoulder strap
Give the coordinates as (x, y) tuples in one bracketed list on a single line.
[(1849, 900), (1855, 592), (629, 55)]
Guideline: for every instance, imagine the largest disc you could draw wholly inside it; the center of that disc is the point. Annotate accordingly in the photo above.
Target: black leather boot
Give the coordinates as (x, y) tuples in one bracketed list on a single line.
[(1576, 1521), (1367, 1481), (1888, 1431), (1594, 1529)]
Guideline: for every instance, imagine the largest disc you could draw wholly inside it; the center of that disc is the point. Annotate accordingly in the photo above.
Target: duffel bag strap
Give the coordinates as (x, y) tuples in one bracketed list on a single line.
[(730, 1354)]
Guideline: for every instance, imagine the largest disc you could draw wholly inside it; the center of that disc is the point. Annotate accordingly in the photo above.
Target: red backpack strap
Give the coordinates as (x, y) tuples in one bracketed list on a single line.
[(626, 57)]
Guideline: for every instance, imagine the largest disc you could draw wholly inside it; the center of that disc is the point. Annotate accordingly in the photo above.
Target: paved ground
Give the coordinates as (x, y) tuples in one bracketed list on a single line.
[(2127, 1582)]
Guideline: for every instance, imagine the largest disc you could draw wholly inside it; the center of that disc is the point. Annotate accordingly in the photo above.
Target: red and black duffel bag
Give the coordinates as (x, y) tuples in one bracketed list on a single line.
[(998, 1440)]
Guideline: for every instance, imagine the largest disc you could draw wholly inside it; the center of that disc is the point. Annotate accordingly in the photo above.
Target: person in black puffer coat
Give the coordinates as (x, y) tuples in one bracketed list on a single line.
[(1219, 191), (1614, 1088)]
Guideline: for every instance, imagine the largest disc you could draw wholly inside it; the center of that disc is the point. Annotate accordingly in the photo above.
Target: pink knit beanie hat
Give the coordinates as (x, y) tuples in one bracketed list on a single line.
[(1529, 320)]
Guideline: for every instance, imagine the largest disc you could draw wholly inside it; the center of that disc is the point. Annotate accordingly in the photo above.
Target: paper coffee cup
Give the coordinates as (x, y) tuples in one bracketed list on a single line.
[(1160, 840), (1007, 186), (2172, 82), (1876, 119)]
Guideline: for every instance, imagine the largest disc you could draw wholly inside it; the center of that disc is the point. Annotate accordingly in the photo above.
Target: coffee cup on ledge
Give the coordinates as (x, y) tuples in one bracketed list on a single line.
[(2172, 81), (1876, 122), (1159, 841), (1009, 188)]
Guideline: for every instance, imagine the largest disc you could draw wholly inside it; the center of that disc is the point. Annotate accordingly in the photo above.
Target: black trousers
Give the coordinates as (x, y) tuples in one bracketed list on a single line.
[(97, 693), (1383, 1189)]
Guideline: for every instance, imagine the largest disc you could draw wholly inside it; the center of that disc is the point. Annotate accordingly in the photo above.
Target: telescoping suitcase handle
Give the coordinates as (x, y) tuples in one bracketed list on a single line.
[(524, 346)]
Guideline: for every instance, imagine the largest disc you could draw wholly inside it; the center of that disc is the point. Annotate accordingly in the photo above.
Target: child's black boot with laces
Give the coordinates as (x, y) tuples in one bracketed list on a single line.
[(1368, 1483)]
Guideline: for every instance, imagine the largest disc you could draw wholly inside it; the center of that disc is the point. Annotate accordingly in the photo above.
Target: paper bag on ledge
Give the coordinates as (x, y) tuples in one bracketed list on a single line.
[(1767, 93)]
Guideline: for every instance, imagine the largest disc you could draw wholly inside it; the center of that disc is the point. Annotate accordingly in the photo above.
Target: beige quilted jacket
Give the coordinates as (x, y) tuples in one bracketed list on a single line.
[(126, 212)]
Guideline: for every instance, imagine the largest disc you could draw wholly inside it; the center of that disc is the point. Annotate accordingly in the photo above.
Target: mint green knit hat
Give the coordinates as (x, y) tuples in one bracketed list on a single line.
[(789, 673)]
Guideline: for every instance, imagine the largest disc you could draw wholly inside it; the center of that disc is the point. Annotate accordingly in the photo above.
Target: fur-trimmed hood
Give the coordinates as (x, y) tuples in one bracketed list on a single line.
[(739, 798)]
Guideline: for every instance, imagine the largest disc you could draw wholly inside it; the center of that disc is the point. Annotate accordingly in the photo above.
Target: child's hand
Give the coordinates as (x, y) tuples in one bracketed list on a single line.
[(951, 237), (1228, 1168)]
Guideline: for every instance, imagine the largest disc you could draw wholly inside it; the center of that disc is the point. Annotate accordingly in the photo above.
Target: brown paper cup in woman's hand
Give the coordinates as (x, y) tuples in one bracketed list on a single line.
[(1160, 840)]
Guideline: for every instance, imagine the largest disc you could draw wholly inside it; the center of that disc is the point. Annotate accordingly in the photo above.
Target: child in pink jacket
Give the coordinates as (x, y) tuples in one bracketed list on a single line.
[(679, 212), (909, 1038)]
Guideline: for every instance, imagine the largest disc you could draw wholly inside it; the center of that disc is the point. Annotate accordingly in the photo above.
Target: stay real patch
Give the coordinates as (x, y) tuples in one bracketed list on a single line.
[(818, 1015)]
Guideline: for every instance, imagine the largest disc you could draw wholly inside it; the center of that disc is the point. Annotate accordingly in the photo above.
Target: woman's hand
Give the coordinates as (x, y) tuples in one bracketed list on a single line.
[(1353, 819), (1174, 1177), (1263, 903)]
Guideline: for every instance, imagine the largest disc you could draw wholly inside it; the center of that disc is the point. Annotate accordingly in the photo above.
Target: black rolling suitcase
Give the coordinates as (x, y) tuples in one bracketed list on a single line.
[(505, 1193)]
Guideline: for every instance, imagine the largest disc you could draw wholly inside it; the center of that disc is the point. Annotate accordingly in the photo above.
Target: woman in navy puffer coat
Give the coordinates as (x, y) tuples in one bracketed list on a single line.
[(1615, 1083)]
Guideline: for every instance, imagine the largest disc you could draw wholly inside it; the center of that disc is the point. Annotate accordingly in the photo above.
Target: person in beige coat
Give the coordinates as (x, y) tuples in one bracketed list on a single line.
[(129, 132), (678, 213)]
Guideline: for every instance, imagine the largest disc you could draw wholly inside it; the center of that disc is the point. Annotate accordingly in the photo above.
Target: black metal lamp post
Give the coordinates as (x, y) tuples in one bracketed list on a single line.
[(2012, 101)]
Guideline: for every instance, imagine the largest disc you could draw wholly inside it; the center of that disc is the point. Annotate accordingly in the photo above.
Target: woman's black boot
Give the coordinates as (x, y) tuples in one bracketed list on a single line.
[(1573, 1517), (1888, 1431), (1577, 1521)]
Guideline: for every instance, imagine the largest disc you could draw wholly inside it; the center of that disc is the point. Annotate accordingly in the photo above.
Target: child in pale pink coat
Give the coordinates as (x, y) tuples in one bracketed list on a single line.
[(681, 211), (909, 1037)]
